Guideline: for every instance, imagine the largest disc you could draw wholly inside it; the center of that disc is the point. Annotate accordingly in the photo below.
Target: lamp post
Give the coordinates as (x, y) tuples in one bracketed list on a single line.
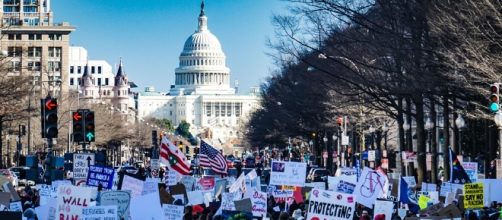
[(385, 129), (429, 125), (498, 122), (460, 125), (325, 157), (406, 128), (311, 143), (335, 138), (372, 131)]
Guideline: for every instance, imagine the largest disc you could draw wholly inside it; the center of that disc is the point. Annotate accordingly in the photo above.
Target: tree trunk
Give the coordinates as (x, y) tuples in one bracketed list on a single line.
[(433, 142), (400, 122), (455, 144), (1, 141), (446, 136), (420, 131)]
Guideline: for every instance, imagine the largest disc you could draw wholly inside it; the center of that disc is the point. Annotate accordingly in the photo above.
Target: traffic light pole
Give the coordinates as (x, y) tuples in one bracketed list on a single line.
[(48, 160)]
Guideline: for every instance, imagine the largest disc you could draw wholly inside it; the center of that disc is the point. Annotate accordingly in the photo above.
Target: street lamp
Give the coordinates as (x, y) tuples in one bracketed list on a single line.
[(460, 125), (498, 122), (372, 131), (429, 125), (325, 140), (406, 128)]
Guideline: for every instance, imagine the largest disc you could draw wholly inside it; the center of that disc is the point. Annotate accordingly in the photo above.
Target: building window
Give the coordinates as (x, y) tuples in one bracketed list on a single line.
[(55, 37), (99, 69), (93, 69), (217, 109), (54, 66), (79, 69), (14, 36), (71, 81), (34, 51), (171, 113), (238, 107), (34, 66), (72, 69), (223, 109), (34, 36), (99, 81), (15, 66), (14, 51), (229, 109), (54, 51), (106, 81)]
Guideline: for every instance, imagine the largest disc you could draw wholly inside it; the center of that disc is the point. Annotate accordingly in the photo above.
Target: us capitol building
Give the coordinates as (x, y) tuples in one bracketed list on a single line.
[(202, 95)]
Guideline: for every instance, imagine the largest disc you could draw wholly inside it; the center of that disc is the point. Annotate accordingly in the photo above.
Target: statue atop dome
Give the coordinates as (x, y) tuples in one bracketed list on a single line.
[(202, 9)]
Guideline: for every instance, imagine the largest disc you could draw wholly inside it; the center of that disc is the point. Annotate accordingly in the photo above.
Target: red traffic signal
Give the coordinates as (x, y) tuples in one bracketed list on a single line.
[(89, 116), (77, 116), (51, 104), (494, 89)]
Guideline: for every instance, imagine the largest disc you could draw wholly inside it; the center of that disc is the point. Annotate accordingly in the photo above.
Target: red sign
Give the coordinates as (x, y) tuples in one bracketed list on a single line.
[(51, 104), (207, 182)]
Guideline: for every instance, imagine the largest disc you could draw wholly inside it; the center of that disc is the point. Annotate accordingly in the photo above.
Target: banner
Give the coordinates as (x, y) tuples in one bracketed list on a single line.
[(81, 163), (71, 200), (173, 212), (473, 196), (121, 199), (330, 205), (100, 213), (288, 173), (259, 203), (370, 186), (345, 171), (133, 184), (103, 175), (471, 168)]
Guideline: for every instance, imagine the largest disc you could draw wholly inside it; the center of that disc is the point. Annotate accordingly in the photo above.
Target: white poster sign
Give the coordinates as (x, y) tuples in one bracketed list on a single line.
[(150, 185), (330, 205), (371, 185), (133, 184), (71, 200), (285, 173), (346, 171), (46, 192), (170, 178), (227, 201), (410, 180), (121, 199), (173, 212), (81, 163), (259, 203), (189, 182), (155, 164), (471, 168), (371, 155), (195, 197), (100, 213), (384, 207)]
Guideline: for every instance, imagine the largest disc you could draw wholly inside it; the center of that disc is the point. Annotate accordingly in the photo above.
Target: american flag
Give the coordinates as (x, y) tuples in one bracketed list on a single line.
[(212, 158)]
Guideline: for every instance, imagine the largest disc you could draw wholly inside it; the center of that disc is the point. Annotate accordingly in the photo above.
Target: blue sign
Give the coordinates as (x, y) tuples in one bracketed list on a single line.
[(99, 174), (358, 168), (365, 155)]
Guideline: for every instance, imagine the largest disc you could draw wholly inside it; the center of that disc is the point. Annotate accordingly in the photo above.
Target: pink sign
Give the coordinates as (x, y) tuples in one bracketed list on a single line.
[(207, 182)]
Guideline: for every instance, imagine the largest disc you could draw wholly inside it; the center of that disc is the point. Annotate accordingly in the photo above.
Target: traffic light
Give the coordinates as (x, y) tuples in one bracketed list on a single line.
[(494, 98), (49, 117), (78, 126), (89, 128)]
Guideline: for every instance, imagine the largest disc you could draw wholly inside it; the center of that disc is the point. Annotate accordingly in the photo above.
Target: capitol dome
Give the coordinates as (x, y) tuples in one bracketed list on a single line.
[(202, 67)]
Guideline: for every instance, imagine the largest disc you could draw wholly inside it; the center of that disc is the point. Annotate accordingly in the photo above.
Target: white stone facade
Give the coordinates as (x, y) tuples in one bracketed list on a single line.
[(202, 94), (101, 70)]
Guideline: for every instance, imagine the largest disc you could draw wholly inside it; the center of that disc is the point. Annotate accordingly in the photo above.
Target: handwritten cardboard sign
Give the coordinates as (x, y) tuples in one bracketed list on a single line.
[(288, 173), (132, 184), (71, 200), (121, 199), (81, 163), (173, 212), (100, 213)]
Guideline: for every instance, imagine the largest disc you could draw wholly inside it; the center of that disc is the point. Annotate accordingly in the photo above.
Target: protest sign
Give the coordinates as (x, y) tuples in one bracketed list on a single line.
[(288, 173), (99, 174), (333, 182), (243, 205), (100, 213), (81, 163), (71, 200), (384, 207), (155, 164), (473, 196), (259, 203), (345, 187), (422, 201), (146, 207), (189, 182), (132, 184), (121, 199), (220, 187), (227, 200), (330, 205), (208, 198), (471, 168), (449, 187), (318, 185), (429, 187), (150, 185), (370, 186), (206, 183), (450, 197), (195, 197), (170, 178), (239, 184), (173, 212), (371, 155), (46, 192), (16, 206), (491, 189), (282, 193), (410, 180)]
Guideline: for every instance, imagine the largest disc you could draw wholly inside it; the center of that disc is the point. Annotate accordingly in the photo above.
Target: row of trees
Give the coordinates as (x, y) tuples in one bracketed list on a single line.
[(380, 62)]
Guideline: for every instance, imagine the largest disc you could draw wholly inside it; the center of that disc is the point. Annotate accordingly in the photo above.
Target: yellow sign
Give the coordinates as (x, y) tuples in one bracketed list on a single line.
[(422, 201), (293, 188), (473, 196)]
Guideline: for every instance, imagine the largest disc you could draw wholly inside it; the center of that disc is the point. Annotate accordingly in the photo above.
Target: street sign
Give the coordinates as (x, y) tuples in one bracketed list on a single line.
[(81, 163), (371, 155), (345, 140)]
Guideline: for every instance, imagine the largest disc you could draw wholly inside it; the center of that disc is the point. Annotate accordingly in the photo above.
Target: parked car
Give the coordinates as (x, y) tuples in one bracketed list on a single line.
[(11, 176), (21, 172), (128, 169), (318, 175)]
